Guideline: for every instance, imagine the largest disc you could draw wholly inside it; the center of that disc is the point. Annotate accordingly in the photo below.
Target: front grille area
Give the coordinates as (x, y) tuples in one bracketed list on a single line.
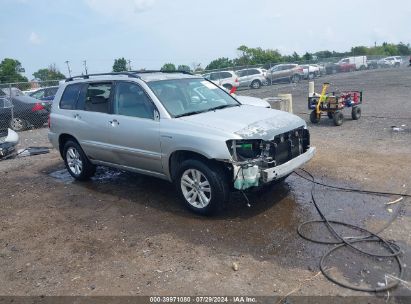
[(289, 145)]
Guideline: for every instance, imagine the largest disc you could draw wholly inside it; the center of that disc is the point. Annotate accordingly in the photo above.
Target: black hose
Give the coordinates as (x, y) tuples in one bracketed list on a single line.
[(350, 241)]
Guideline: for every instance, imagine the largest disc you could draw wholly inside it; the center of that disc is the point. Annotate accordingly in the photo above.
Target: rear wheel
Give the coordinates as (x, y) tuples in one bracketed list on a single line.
[(203, 187), (76, 161), (338, 118), (314, 118), (256, 84), (356, 113), (18, 124), (228, 86)]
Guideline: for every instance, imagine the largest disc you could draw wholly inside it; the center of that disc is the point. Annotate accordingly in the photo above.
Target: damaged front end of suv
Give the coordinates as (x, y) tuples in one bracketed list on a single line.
[(259, 161)]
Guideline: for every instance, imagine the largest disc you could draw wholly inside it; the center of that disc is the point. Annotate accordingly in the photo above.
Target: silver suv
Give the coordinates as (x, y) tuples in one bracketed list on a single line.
[(253, 78), (178, 127)]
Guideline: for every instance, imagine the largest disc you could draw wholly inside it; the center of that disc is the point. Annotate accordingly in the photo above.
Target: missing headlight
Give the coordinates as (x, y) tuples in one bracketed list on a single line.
[(243, 150)]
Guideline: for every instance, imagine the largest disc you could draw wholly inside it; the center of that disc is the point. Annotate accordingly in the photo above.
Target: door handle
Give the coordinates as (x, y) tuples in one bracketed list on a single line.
[(114, 122)]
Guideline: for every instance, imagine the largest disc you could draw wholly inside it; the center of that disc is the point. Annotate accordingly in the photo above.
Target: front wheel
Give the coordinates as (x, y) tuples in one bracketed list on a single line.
[(356, 113), (202, 187), (314, 117), (76, 161), (338, 118)]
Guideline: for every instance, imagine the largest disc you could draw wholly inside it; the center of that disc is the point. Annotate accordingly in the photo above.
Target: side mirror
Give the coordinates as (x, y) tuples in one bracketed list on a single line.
[(156, 115)]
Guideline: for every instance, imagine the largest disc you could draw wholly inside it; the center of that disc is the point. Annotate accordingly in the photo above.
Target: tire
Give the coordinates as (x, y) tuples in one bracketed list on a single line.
[(330, 115), (76, 161), (295, 78), (205, 184), (18, 124), (256, 84), (228, 86), (338, 118), (314, 118), (356, 113)]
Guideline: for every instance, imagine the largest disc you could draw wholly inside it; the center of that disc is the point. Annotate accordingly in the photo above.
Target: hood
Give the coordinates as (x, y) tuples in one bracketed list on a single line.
[(248, 122), (253, 101)]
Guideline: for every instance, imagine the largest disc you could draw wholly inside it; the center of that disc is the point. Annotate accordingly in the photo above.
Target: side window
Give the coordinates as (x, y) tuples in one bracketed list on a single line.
[(98, 97), (214, 76), (69, 99), (254, 72), (227, 75), (131, 100)]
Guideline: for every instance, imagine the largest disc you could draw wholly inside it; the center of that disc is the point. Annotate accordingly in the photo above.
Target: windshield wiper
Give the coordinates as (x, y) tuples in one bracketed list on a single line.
[(208, 110), (223, 107), (189, 113)]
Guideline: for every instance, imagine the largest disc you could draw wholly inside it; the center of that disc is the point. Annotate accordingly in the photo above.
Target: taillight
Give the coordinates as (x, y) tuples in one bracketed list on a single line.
[(37, 107), (236, 80)]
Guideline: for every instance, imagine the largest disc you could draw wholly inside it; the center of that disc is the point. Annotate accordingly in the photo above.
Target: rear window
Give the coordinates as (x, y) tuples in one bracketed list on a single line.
[(69, 99)]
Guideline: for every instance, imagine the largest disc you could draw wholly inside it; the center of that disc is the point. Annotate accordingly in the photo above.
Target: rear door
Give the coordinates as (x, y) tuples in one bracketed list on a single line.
[(134, 129), (91, 120)]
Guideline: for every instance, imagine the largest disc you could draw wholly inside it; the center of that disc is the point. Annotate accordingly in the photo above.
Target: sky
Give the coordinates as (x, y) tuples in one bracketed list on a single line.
[(153, 32)]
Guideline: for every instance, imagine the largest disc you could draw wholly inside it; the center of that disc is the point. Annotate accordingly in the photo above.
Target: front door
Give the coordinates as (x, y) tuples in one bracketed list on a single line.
[(133, 129)]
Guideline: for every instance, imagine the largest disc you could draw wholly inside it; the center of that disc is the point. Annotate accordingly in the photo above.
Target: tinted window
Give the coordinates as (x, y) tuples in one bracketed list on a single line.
[(253, 72), (242, 73), (214, 76), (69, 99), (225, 75), (98, 97), (131, 100), (50, 92)]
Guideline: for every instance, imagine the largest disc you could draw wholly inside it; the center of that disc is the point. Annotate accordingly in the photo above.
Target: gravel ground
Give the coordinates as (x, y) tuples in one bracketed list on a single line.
[(126, 234)]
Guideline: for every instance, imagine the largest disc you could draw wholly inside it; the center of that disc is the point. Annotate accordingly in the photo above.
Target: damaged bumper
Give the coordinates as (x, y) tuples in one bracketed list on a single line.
[(253, 175), (270, 174)]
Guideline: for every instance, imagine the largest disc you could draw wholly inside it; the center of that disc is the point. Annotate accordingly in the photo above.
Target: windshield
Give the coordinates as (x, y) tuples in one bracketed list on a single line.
[(182, 97)]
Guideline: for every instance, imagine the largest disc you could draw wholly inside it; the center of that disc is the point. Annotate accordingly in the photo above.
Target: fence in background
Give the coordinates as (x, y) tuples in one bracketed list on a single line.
[(26, 105)]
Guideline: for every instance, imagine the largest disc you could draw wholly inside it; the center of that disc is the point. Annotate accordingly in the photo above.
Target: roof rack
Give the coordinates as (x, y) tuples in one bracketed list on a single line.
[(160, 71), (132, 74), (87, 76)]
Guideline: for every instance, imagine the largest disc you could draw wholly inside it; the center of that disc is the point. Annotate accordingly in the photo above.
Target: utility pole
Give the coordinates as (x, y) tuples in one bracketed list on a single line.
[(85, 66), (129, 64), (68, 67)]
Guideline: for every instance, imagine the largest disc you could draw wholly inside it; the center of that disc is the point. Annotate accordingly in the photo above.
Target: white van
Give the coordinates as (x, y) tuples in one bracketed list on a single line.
[(360, 62)]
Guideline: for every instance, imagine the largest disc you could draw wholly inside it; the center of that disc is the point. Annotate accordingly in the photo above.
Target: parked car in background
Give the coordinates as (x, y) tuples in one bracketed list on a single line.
[(157, 124), (372, 64), (47, 93), (350, 64), (20, 112), (389, 62), (285, 72), (253, 78), (227, 79), (321, 68), (310, 71), (331, 68)]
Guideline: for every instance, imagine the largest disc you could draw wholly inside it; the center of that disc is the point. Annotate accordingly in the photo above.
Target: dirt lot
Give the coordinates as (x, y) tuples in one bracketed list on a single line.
[(126, 234)]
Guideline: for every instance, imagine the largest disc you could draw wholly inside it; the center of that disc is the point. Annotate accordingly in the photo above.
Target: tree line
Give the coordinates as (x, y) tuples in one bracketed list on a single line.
[(11, 69)]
